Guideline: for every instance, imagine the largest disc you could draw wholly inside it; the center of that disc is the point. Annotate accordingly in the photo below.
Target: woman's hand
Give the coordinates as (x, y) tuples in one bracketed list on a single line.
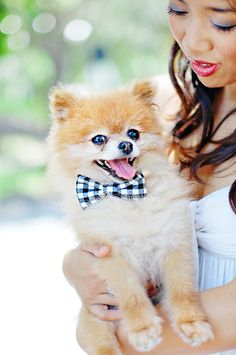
[(79, 267)]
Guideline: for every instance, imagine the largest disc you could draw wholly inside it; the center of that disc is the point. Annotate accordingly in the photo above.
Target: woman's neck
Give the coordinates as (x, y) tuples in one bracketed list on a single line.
[(226, 100)]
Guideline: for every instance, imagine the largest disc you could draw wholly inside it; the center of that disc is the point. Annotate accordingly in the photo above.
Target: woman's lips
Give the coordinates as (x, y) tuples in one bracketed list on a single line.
[(203, 68)]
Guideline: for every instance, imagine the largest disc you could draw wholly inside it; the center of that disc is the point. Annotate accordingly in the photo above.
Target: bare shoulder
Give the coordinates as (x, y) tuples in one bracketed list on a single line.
[(167, 101)]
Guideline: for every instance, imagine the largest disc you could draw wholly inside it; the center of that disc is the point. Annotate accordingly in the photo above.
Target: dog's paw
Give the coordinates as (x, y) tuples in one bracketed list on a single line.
[(195, 332), (145, 338)]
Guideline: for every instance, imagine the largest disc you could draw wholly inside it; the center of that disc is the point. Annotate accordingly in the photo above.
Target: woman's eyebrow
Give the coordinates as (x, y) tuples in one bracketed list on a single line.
[(221, 10), (216, 9)]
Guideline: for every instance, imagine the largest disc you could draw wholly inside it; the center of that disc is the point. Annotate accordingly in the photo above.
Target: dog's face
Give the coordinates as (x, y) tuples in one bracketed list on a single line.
[(107, 132)]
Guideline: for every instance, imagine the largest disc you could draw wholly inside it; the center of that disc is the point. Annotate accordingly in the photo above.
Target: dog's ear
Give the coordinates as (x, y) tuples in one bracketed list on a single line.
[(145, 91), (61, 103)]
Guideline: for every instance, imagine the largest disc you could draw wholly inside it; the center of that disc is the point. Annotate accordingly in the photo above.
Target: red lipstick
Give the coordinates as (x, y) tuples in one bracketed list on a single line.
[(203, 68)]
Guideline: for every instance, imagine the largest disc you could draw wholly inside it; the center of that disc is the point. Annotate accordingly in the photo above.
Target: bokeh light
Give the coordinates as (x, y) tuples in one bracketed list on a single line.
[(78, 30), (19, 40), (10, 24), (44, 23)]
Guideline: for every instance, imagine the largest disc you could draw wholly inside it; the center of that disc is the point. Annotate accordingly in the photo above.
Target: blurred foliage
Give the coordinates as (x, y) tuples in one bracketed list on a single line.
[(130, 40)]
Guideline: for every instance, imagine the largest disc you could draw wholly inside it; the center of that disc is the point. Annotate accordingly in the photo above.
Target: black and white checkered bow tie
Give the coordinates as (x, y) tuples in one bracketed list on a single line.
[(90, 192)]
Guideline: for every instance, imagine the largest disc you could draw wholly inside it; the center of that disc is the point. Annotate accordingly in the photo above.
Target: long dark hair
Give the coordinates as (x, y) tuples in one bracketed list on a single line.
[(197, 111)]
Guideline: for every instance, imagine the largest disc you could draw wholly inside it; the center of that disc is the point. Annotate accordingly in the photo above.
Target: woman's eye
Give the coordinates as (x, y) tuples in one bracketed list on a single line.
[(175, 12), (99, 139), (223, 28), (133, 134)]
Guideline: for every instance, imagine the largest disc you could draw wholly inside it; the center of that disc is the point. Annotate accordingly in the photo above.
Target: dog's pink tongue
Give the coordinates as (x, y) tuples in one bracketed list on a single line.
[(122, 168)]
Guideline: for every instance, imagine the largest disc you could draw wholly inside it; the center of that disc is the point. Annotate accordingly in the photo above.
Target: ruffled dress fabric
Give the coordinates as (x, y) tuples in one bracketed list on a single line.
[(215, 232)]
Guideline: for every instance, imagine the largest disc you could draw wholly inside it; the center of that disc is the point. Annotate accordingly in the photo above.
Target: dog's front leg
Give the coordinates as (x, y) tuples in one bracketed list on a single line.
[(96, 336), (142, 325), (182, 300)]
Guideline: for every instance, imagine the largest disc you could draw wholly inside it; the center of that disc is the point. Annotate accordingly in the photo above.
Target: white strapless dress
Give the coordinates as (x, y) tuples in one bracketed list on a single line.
[(215, 232)]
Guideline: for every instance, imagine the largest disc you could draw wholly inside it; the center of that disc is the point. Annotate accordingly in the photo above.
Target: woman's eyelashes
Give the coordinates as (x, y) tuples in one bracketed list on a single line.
[(175, 12), (221, 28)]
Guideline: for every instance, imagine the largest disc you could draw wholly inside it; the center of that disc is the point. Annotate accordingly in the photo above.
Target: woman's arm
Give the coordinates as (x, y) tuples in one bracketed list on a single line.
[(220, 306)]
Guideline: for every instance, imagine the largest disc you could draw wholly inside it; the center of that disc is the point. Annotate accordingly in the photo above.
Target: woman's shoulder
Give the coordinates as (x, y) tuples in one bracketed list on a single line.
[(167, 101), (166, 98)]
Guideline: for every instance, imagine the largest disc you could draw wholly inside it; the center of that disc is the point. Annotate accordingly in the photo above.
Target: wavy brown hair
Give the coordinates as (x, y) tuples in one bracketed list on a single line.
[(197, 111)]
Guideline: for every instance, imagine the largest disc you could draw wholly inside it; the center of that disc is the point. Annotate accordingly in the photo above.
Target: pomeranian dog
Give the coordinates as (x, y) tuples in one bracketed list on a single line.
[(108, 161)]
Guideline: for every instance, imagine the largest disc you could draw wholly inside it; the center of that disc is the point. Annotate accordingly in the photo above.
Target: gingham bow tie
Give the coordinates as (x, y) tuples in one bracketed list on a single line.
[(90, 192)]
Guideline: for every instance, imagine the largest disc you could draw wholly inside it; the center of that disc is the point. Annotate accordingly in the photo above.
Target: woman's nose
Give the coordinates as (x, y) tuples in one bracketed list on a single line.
[(196, 40)]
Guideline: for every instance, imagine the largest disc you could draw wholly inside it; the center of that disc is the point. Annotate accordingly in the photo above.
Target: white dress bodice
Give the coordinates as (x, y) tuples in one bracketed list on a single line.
[(215, 231)]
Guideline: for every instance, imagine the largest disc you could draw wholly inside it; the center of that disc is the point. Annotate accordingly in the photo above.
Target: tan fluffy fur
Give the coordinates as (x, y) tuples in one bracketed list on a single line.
[(149, 238)]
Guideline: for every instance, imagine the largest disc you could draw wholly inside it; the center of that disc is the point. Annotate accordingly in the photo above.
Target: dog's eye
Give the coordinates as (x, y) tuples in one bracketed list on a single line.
[(99, 139), (133, 134)]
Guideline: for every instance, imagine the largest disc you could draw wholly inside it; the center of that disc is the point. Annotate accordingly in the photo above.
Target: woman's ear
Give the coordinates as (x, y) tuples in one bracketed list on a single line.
[(61, 103)]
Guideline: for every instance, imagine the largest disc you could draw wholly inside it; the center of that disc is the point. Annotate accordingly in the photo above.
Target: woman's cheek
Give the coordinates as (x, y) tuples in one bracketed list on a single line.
[(175, 29)]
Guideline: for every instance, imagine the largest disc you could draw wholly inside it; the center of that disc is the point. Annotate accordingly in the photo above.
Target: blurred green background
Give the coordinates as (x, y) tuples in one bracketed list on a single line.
[(97, 43)]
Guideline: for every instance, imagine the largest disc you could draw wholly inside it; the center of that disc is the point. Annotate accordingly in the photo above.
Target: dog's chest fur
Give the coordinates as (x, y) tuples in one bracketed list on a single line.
[(142, 230)]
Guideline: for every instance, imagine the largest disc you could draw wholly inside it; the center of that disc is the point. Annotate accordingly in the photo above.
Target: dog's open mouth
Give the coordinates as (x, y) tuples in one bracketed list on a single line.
[(121, 168)]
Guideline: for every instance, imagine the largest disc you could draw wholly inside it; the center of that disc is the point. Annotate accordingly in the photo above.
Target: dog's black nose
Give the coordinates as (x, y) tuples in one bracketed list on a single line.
[(126, 147)]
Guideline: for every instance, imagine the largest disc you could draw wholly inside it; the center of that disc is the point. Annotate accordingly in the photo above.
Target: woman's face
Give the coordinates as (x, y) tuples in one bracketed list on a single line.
[(206, 32)]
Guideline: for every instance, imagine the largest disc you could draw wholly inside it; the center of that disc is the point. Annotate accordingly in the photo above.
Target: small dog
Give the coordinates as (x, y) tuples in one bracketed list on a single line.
[(109, 163)]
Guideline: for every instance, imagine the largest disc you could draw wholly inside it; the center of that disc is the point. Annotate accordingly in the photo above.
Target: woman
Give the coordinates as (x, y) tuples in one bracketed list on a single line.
[(203, 72)]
